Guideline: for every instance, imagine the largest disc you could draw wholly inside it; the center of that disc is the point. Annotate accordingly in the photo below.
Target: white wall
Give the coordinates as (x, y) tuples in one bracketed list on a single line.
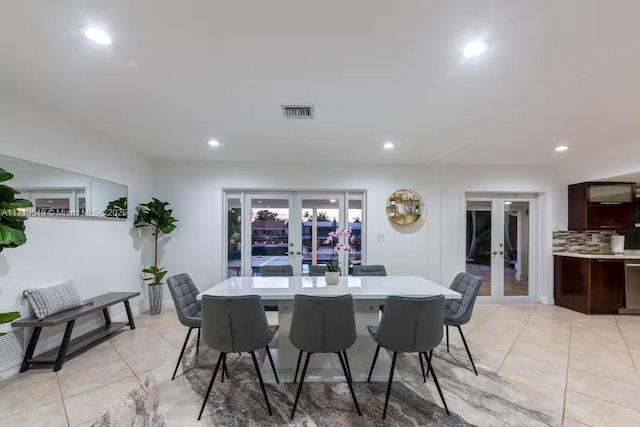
[(195, 193), (98, 256), (433, 248)]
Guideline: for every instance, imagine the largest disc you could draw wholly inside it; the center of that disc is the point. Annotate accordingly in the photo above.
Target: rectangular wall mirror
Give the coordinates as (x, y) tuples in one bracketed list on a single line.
[(59, 193)]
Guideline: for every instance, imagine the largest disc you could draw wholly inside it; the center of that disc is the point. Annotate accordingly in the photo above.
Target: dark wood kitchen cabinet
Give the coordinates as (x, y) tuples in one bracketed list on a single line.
[(589, 285), (601, 206)]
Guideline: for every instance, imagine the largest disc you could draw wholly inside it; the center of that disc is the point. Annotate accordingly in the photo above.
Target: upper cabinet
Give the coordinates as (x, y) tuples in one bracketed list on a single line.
[(602, 206)]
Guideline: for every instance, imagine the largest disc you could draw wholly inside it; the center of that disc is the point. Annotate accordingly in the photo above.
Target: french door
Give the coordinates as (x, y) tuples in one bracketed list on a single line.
[(499, 247), (289, 228)]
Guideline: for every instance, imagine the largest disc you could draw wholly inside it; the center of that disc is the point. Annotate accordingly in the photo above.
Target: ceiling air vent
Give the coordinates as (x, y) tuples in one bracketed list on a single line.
[(297, 111)]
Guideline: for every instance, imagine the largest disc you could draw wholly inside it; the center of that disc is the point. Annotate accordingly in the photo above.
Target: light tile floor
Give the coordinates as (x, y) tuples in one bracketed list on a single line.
[(583, 369)]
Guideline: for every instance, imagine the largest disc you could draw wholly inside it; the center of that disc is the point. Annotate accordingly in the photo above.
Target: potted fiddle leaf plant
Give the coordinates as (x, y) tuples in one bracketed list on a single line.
[(12, 216), (12, 227), (8, 317), (160, 220), (116, 208)]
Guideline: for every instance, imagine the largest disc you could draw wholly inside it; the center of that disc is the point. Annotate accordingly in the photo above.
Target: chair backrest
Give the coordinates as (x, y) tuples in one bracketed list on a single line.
[(317, 270), (369, 270), (184, 293), (469, 286), (323, 324), (234, 324), (411, 324), (276, 270)]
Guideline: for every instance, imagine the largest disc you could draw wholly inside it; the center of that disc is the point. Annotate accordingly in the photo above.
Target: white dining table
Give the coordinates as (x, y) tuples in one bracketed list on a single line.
[(368, 293)]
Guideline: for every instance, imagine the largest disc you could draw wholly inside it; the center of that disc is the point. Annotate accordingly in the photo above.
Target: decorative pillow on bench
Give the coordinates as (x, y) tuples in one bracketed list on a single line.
[(53, 299)]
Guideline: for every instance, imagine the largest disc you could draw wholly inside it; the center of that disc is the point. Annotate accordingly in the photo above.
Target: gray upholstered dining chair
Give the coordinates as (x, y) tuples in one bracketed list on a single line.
[(184, 293), (273, 271), (409, 325), (369, 270), (236, 325), (276, 270), (323, 325), (458, 312), (317, 270)]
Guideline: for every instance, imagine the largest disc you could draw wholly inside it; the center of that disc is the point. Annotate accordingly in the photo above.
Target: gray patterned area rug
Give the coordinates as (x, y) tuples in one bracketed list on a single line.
[(138, 409), (485, 400)]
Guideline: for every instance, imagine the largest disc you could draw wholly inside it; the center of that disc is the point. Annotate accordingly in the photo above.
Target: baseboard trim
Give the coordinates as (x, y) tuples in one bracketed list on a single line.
[(546, 300)]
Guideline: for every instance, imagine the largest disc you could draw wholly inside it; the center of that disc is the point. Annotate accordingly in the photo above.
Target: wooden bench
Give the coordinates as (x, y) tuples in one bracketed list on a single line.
[(68, 347)]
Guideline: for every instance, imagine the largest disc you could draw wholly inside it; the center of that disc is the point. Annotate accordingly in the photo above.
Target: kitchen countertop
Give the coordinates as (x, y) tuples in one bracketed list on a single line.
[(632, 254)]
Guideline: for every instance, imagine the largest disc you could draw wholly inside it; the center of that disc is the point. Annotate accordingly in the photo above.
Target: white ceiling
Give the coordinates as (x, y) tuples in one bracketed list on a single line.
[(558, 72)]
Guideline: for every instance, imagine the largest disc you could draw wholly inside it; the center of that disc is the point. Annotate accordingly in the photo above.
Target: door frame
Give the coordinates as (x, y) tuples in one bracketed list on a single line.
[(295, 202), (497, 277)]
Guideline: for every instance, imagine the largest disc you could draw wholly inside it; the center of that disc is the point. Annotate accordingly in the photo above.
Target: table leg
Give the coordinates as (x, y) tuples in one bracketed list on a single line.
[(107, 318), (31, 348), (132, 325), (63, 347)]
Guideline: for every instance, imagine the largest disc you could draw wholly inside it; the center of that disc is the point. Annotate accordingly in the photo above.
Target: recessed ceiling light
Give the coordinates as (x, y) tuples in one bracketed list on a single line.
[(214, 143), (562, 148), (332, 201), (507, 203), (477, 48), (388, 145), (97, 35)]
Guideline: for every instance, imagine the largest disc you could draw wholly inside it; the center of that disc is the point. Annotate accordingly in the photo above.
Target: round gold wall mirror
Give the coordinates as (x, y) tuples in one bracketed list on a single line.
[(404, 207)]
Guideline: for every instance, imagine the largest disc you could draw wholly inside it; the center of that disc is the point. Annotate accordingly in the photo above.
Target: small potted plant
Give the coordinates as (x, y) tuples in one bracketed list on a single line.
[(332, 275), (156, 216)]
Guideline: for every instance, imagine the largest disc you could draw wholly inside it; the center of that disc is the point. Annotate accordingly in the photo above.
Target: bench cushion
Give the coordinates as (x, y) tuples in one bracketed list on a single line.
[(53, 299)]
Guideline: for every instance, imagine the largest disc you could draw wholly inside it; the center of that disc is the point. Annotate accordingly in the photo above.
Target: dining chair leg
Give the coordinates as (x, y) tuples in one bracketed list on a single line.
[(295, 377), (430, 358), (375, 357), (184, 346), (224, 369), (346, 361), (304, 372), (386, 400), (468, 352), (447, 329), (198, 343), (424, 377), (272, 365), (435, 380), (213, 378), (349, 382), (264, 391)]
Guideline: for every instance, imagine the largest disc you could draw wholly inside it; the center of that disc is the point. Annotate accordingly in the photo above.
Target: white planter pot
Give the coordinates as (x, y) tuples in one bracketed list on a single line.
[(332, 277)]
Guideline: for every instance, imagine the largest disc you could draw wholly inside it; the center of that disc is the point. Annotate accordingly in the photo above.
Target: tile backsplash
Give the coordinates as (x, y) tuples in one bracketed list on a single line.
[(597, 242)]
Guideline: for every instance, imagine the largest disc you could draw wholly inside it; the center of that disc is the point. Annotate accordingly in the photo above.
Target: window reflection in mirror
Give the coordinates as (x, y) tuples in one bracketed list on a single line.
[(60, 193)]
